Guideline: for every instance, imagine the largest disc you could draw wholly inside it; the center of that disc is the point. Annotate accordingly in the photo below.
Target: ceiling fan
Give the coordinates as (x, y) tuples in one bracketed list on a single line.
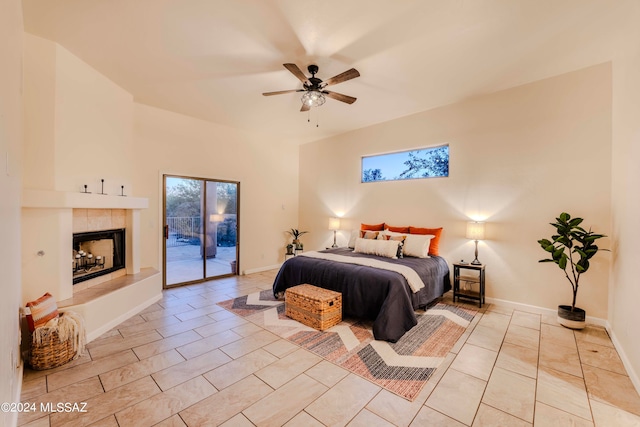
[(314, 88)]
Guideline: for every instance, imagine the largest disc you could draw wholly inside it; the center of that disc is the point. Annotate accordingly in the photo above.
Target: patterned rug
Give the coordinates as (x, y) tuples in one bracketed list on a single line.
[(402, 367)]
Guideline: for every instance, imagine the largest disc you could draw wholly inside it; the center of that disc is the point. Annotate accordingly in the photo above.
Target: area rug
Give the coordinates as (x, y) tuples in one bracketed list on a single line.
[(402, 367)]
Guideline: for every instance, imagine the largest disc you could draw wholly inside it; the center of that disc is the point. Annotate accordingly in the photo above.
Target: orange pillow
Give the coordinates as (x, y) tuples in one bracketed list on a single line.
[(42, 310), (372, 227), (396, 229), (434, 246)]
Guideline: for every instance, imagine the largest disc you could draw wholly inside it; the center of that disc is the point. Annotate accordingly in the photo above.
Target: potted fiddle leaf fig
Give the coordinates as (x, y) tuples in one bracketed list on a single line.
[(571, 248)]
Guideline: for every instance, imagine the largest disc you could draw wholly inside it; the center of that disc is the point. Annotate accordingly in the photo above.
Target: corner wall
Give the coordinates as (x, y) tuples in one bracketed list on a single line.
[(518, 158), (79, 123), (81, 127), (11, 39), (78, 130), (624, 295), (267, 169)]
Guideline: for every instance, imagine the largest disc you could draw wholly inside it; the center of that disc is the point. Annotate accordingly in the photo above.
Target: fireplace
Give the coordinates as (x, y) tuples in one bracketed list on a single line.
[(97, 253)]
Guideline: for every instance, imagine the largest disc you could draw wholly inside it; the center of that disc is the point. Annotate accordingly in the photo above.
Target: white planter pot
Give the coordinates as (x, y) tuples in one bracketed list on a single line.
[(571, 319)]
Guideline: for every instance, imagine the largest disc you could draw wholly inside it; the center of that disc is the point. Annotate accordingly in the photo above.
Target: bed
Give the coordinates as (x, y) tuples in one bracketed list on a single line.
[(377, 294)]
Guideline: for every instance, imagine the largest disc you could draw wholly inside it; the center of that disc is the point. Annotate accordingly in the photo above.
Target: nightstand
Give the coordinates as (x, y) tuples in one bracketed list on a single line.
[(469, 274)]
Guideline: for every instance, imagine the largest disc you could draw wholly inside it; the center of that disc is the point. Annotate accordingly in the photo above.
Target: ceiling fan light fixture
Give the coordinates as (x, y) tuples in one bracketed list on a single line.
[(315, 94), (313, 98)]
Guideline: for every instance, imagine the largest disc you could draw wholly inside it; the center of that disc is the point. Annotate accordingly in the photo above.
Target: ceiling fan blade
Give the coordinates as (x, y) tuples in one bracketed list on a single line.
[(305, 107), (340, 97), (342, 77), (280, 92), (293, 68)]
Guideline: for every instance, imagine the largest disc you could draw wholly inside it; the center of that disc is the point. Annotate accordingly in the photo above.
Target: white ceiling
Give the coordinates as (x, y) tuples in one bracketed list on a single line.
[(212, 59)]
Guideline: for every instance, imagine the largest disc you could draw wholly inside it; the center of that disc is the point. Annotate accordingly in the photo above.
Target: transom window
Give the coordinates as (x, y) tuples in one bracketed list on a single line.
[(412, 164)]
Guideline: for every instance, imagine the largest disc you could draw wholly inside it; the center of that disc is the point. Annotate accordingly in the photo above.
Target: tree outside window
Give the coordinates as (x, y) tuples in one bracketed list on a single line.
[(413, 164)]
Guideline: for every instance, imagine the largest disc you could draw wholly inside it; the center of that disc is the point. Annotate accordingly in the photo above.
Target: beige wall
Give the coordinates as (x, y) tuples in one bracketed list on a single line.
[(78, 130), (11, 39), (39, 94), (267, 169), (79, 123), (93, 134), (624, 315), (518, 159)]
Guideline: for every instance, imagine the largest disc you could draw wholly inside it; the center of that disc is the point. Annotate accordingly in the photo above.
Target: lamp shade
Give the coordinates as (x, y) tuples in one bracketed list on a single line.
[(475, 230), (216, 217), (334, 223)]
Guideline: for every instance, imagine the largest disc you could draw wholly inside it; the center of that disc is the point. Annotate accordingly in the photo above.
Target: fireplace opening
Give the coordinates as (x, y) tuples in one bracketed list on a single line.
[(97, 253)]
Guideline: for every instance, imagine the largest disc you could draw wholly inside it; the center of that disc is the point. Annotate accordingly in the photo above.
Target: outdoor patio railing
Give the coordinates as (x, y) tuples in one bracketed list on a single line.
[(183, 231), (186, 231)]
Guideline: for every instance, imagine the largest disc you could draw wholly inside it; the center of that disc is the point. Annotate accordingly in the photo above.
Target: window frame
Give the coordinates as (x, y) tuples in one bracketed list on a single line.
[(400, 152)]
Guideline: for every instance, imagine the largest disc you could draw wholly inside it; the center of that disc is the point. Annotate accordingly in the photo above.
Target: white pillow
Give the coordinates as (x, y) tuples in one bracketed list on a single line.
[(384, 233), (384, 248), (417, 245), (355, 234), (352, 238), (369, 234)]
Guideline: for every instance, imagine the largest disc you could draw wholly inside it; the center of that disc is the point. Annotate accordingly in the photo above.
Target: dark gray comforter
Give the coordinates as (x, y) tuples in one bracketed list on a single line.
[(371, 293)]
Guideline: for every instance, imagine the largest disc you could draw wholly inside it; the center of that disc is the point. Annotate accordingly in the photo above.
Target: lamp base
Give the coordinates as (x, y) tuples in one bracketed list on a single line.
[(475, 261)]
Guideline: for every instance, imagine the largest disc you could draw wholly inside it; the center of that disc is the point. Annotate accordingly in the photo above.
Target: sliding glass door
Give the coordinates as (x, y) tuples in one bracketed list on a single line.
[(200, 229)]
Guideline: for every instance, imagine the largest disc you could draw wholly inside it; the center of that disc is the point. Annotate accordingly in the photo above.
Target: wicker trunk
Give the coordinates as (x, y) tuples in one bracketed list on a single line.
[(315, 307)]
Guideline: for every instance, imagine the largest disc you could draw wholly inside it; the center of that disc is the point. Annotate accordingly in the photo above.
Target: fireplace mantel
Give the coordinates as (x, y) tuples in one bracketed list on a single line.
[(47, 238), (65, 199)]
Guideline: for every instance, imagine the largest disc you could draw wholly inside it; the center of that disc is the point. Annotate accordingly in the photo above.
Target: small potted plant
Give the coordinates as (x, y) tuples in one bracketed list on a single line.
[(295, 233), (571, 248)]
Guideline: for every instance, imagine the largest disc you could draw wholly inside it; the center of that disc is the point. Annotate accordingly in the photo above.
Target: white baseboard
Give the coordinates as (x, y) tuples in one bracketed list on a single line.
[(261, 269), (633, 376), (117, 320), (543, 310), (12, 417)]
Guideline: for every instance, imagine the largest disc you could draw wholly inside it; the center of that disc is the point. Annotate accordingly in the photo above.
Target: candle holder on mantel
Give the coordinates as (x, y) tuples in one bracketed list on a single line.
[(122, 191), (102, 188), (85, 190)]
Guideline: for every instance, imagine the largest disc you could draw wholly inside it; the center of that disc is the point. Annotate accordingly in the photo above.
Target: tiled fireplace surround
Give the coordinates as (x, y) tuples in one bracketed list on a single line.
[(85, 220), (50, 218)]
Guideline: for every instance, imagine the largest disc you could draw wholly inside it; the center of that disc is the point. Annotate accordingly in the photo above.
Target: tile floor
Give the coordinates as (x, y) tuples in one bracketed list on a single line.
[(186, 361)]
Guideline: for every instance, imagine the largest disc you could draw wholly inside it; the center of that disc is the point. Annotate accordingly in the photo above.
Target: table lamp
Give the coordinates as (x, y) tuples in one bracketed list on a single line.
[(475, 231), (334, 224)]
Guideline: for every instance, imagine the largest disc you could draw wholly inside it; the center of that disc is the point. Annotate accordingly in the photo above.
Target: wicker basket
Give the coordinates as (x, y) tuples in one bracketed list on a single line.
[(315, 307), (51, 352), (48, 351)]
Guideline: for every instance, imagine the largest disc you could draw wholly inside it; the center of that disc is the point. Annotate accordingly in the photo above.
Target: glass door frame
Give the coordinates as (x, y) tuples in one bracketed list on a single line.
[(204, 225)]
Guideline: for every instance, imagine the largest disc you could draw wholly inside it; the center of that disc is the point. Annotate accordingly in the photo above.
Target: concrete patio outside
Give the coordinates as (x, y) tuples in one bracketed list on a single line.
[(184, 263)]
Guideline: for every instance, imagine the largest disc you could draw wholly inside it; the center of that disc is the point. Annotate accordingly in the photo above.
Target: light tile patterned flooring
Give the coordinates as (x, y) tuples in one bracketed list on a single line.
[(186, 361)]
